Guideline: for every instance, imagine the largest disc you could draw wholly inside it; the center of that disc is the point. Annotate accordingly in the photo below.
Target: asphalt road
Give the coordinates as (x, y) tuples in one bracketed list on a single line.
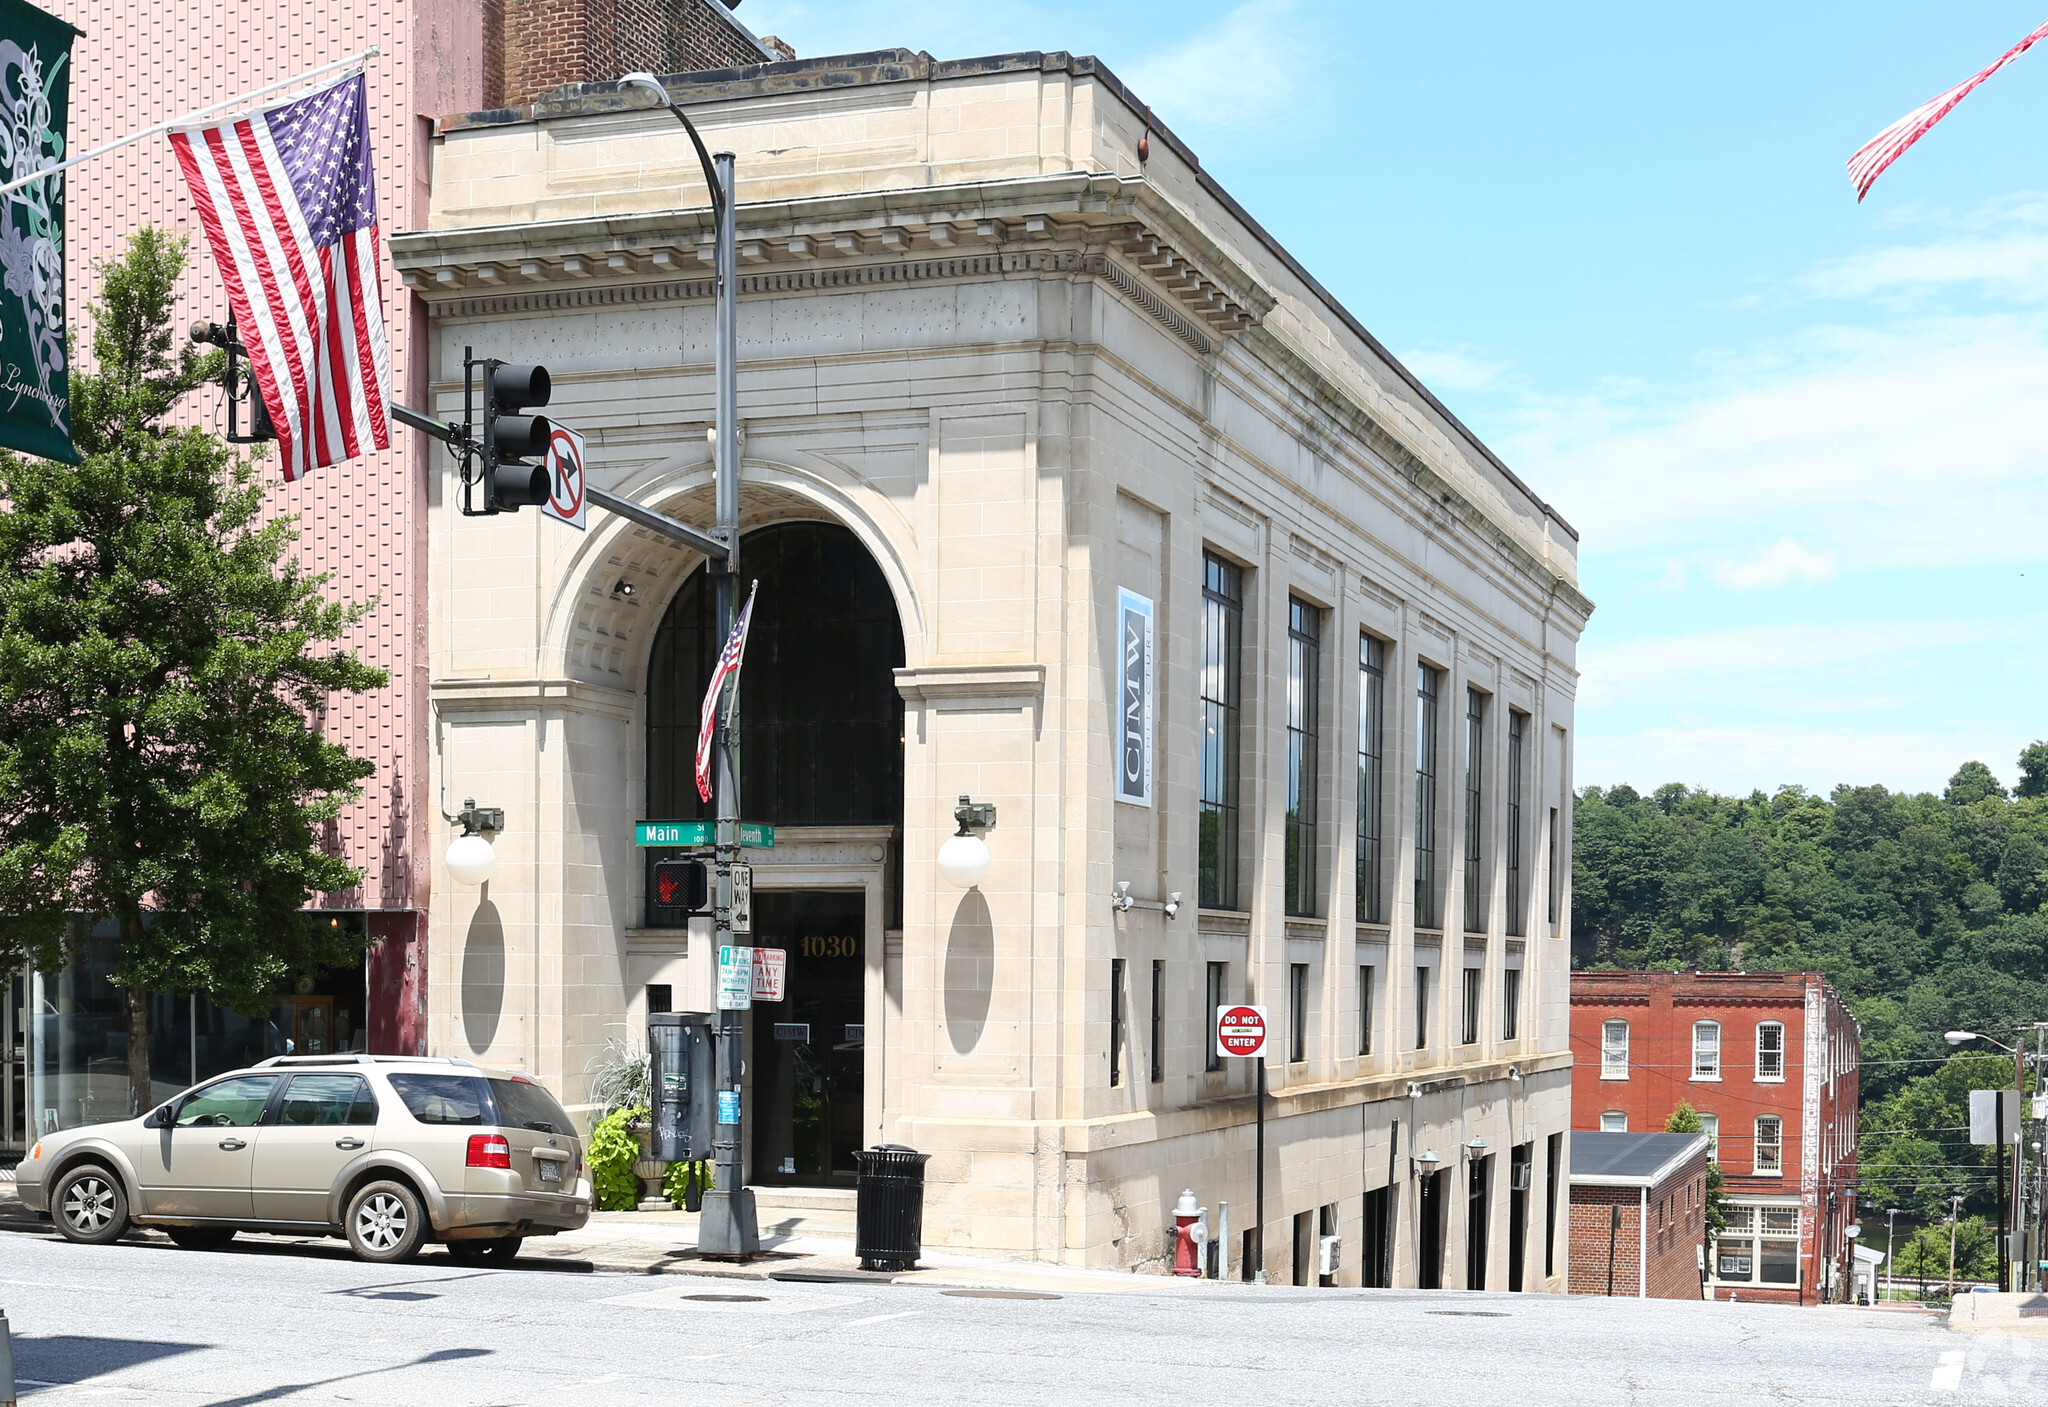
[(257, 1324)]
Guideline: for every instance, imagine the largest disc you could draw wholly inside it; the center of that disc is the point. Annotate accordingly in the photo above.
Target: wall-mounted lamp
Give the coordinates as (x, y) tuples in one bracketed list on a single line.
[(470, 856), (1475, 1150), (623, 590), (1515, 1073), (1123, 903), (963, 859), (1423, 1164)]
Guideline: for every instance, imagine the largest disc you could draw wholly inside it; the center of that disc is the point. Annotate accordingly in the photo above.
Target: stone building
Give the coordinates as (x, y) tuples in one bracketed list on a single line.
[(1067, 489)]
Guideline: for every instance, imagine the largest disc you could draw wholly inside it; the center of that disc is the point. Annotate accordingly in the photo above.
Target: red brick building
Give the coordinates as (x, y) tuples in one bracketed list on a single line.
[(1638, 1214), (1769, 1059)]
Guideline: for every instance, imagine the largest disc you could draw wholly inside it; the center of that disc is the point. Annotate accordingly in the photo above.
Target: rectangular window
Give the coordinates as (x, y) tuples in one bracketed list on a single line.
[(1518, 728), (1777, 1245), (1212, 1058), (1304, 682), (1555, 902), (1614, 1050), (1116, 1022), (1770, 1136), (1614, 1121), (1770, 1051), (1426, 701), (1553, 1166), (1706, 1050), (1297, 1011), (1710, 1125), (1421, 1007), (661, 997), (1511, 1004), (1475, 829), (1365, 997), (1158, 1022), (1735, 1247), (1222, 698), (1468, 1030), (1372, 730)]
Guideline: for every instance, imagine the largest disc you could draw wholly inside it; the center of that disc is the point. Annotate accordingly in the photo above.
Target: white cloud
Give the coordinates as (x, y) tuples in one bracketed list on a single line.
[(1781, 564), (1245, 69), (2015, 265), (1448, 369)]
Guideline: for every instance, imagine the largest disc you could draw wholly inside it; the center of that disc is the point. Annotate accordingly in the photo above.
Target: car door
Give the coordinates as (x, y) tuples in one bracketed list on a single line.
[(200, 1165), (322, 1122)]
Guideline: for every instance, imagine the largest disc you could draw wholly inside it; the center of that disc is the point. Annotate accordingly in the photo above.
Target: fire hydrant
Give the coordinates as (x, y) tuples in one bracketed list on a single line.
[(1190, 1231)]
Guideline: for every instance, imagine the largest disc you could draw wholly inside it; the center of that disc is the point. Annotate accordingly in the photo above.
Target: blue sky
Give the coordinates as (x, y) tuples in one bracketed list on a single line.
[(1805, 441)]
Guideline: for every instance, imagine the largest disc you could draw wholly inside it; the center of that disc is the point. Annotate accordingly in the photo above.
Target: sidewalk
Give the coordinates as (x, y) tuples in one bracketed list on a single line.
[(665, 1243)]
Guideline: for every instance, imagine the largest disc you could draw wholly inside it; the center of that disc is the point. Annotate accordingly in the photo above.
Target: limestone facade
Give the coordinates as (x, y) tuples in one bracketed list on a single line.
[(1028, 367)]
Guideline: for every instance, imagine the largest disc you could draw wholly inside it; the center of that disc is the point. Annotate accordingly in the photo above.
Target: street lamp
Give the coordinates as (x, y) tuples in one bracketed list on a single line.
[(963, 860), (725, 1227), (470, 856)]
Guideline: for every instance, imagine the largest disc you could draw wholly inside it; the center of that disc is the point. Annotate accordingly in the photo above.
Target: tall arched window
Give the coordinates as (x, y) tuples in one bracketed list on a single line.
[(1706, 1050), (1614, 1050), (1770, 1050)]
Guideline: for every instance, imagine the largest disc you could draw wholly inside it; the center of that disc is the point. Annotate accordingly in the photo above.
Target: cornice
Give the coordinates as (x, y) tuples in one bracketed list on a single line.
[(933, 683), (528, 695)]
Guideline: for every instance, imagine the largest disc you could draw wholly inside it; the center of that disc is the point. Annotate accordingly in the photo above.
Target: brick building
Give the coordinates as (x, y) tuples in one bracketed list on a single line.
[(364, 522), (1638, 1214), (1769, 1059)]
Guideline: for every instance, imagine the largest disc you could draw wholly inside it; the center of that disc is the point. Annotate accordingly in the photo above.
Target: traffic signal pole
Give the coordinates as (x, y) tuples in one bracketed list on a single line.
[(726, 1226)]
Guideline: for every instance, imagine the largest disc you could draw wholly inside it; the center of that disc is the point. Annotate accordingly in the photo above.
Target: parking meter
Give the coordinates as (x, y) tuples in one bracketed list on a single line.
[(681, 1076)]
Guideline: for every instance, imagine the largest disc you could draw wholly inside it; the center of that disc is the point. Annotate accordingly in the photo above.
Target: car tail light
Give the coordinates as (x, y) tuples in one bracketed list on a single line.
[(489, 1150)]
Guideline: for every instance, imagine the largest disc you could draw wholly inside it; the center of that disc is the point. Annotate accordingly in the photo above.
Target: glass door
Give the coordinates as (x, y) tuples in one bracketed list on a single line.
[(808, 1048)]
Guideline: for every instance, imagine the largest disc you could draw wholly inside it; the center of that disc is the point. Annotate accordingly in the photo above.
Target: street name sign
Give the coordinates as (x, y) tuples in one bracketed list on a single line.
[(1241, 1031), (754, 834), (771, 967), (735, 978)]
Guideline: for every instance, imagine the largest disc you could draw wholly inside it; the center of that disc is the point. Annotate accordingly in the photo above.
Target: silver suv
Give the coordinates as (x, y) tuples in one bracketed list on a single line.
[(390, 1151)]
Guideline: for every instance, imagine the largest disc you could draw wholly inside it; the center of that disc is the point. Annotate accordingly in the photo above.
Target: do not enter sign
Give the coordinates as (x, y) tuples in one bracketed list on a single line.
[(1241, 1030)]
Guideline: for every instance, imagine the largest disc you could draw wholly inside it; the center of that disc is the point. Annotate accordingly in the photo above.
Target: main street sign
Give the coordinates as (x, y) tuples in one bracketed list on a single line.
[(754, 834), (1241, 1031)]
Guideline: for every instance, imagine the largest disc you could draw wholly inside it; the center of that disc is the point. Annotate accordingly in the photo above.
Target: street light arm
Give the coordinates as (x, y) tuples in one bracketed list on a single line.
[(704, 160)]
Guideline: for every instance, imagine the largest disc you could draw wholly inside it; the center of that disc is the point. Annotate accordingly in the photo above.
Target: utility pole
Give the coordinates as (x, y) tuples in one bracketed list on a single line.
[(1891, 1222), (1955, 1207)]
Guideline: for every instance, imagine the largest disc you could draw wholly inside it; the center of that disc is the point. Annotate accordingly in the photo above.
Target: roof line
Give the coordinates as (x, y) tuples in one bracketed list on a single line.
[(1651, 1179)]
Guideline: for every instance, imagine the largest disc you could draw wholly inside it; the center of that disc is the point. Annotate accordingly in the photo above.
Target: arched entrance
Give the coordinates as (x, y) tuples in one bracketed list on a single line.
[(821, 751)]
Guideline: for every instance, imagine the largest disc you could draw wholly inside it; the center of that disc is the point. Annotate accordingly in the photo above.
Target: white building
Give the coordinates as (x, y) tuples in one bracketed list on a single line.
[(1009, 361)]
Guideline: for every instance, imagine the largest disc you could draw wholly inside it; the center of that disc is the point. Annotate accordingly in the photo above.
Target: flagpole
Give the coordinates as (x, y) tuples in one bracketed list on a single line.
[(134, 137)]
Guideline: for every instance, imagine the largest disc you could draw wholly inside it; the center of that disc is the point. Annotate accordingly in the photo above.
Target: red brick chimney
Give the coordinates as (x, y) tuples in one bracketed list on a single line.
[(534, 46)]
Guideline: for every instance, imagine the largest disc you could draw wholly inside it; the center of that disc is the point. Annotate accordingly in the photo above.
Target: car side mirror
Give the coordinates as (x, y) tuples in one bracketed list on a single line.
[(159, 1117)]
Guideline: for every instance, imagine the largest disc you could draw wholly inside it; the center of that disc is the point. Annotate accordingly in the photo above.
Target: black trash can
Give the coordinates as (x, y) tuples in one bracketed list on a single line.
[(889, 1207)]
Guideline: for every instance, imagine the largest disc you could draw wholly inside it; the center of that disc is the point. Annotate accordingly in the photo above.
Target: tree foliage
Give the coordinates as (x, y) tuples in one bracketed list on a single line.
[(164, 664), (1929, 913)]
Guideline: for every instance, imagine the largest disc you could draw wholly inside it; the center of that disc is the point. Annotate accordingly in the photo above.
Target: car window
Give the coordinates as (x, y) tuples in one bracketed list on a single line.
[(231, 1104), (327, 1099), (525, 1105), (445, 1099)]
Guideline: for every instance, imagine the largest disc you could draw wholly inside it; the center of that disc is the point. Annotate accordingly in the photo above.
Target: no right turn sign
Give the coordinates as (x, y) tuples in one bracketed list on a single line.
[(1241, 1030)]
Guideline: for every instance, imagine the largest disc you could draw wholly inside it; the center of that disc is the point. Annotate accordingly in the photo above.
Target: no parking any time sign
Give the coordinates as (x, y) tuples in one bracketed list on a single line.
[(1241, 1031)]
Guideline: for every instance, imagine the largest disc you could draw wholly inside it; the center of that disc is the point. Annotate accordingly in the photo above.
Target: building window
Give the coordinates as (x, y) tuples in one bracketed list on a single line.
[(1468, 1028), (1222, 698), (1556, 843), (1770, 1050), (1365, 996), (1212, 1058), (1518, 727), (1511, 1004), (1116, 1022), (1304, 682), (1614, 1050), (1710, 1125), (1158, 1022), (1427, 681), (1297, 1011), (1706, 1050), (1372, 730), (1759, 1246), (1770, 1138), (1475, 829), (1421, 1007), (1614, 1121), (661, 998)]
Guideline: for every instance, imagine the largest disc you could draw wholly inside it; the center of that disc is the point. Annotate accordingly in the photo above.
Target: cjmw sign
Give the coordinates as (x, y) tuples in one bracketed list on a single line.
[(1134, 717), (1241, 1031)]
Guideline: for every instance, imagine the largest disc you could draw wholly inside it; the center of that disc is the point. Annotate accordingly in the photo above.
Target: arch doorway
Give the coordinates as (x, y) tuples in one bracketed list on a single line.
[(821, 750)]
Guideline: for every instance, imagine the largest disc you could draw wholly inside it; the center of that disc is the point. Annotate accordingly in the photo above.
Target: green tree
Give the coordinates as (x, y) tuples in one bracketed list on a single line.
[(2033, 770), (1686, 1119), (1926, 1255), (164, 662)]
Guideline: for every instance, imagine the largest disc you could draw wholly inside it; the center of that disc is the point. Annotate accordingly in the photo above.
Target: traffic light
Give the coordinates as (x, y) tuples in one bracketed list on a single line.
[(682, 885), (512, 441)]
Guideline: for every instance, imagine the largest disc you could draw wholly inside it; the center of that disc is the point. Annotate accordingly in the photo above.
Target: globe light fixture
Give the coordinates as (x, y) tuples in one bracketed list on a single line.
[(643, 90), (964, 859), (470, 856)]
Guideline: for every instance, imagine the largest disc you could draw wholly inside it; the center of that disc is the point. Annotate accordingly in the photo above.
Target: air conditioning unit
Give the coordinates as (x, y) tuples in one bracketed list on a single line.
[(1521, 1176), (1332, 1248)]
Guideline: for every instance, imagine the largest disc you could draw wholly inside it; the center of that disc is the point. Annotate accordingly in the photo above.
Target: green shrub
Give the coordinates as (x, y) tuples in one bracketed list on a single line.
[(678, 1173), (612, 1152)]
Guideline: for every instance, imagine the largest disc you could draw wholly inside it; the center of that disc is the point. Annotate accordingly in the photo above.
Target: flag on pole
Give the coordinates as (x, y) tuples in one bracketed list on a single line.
[(289, 203), (728, 668), (1890, 144)]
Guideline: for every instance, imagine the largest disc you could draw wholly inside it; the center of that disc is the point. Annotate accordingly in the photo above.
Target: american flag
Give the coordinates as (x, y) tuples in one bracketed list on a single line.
[(1889, 145), (728, 668), (290, 208)]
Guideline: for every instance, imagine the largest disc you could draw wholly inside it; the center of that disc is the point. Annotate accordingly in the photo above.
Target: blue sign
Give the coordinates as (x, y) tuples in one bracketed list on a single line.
[(728, 1106)]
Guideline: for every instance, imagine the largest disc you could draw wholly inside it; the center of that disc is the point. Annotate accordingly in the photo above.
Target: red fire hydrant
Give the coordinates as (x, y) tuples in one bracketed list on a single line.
[(1189, 1234)]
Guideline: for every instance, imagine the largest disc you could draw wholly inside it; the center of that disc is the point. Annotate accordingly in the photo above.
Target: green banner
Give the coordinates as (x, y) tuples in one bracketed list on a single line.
[(35, 106)]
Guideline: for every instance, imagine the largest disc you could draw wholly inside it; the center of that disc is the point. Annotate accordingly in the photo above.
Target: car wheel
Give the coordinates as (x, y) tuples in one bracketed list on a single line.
[(386, 1223), (201, 1238), (488, 1250), (91, 1206)]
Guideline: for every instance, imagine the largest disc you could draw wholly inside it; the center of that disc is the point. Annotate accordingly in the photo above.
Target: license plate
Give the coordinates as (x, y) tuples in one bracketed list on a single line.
[(550, 1170)]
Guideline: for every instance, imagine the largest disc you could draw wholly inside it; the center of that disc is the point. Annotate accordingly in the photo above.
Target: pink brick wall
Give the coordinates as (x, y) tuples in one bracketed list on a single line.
[(141, 61)]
